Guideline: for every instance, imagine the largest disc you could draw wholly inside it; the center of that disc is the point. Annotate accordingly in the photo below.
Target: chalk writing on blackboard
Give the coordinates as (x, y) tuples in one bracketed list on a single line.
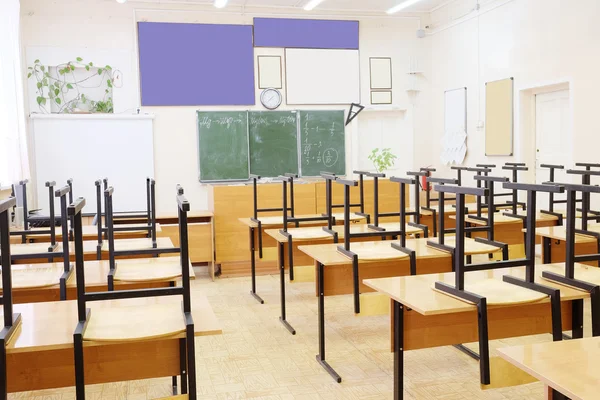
[(206, 121)]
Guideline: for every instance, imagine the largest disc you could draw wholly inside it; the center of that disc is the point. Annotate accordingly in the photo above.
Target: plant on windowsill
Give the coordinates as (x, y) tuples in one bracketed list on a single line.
[(382, 159), (64, 88)]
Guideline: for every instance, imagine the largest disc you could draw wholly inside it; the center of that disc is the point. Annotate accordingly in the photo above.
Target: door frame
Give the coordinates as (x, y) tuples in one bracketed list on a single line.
[(526, 117)]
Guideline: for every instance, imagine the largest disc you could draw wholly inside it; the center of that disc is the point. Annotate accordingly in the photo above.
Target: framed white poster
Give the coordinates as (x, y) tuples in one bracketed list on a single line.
[(383, 97), (380, 72), (269, 72)]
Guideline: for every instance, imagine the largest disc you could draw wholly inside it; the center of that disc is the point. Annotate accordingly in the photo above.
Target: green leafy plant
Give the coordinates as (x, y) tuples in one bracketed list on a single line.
[(102, 106), (382, 159), (66, 90)]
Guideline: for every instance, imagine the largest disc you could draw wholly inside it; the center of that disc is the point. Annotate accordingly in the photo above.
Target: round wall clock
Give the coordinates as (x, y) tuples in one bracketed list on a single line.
[(271, 98)]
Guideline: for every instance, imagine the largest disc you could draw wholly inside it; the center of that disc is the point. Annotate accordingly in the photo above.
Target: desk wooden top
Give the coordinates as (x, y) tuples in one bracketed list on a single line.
[(34, 248), (138, 244), (328, 254), (583, 272), (560, 233), (49, 326), (450, 209), (501, 219), (190, 214), (417, 291), (277, 220), (569, 366), (316, 232)]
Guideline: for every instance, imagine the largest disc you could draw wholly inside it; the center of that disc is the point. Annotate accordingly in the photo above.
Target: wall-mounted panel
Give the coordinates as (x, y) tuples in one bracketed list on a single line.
[(196, 64), (381, 97), (322, 76), (305, 33), (269, 72), (380, 72), (499, 118)]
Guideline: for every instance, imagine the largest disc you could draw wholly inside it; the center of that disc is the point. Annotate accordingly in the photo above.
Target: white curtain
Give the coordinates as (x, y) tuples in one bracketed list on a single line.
[(14, 163)]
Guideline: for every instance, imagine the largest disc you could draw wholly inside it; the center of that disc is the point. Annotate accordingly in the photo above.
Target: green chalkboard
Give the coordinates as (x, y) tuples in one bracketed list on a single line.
[(223, 145), (273, 141), (322, 137)]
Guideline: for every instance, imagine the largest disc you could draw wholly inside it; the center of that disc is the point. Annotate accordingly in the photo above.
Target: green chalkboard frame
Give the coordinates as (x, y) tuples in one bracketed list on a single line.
[(246, 167), (203, 150)]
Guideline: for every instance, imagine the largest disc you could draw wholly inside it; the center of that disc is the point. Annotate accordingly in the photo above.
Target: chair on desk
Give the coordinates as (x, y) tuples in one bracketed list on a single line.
[(153, 250), (51, 253), (138, 216), (27, 222), (89, 327), (11, 320)]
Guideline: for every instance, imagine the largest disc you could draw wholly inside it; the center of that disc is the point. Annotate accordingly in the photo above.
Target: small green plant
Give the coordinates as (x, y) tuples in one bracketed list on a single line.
[(58, 88), (102, 106), (382, 159)]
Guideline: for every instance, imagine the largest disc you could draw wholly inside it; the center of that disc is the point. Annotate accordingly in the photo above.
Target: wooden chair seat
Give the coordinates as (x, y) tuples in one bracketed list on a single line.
[(366, 251), (149, 270), (32, 276), (134, 323)]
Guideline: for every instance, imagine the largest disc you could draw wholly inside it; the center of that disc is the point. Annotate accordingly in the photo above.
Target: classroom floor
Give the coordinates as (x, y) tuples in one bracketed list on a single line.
[(257, 358)]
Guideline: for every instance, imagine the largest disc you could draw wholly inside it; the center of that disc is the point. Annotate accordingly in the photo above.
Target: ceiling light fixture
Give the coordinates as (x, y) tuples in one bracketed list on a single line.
[(402, 6), (312, 4), (220, 3), (121, 1)]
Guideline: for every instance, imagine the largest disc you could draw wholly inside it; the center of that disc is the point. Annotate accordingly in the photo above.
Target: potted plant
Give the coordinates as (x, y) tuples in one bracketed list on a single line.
[(382, 159)]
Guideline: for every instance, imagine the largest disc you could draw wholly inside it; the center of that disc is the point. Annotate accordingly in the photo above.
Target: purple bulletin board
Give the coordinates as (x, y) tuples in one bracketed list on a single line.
[(196, 64), (305, 33)]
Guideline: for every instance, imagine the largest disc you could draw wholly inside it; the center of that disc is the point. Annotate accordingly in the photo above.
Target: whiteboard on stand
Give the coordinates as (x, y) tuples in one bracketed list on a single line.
[(454, 141)]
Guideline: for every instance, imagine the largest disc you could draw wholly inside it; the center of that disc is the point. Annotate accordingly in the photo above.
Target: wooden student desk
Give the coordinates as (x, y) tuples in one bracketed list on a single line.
[(335, 275), (428, 318), (269, 245), (507, 229), (450, 214), (338, 274), (89, 249), (40, 356), (33, 283), (316, 235), (201, 232), (554, 247), (569, 367)]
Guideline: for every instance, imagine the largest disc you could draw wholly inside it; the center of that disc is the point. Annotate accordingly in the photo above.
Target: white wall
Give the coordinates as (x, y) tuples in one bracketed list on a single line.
[(539, 43), (97, 26)]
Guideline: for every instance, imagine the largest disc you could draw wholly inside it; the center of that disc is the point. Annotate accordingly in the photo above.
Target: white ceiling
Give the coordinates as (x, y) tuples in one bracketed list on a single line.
[(372, 6)]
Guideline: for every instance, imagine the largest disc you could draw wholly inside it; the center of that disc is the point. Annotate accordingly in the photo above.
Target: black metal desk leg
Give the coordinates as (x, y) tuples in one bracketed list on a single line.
[(253, 267), (356, 284), (182, 366), (321, 356), (398, 351), (280, 258), (577, 319), (547, 250), (291, 257), (484, 344)]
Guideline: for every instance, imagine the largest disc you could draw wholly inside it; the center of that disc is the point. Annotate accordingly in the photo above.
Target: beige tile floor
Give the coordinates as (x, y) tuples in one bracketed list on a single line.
[(256, 357)]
